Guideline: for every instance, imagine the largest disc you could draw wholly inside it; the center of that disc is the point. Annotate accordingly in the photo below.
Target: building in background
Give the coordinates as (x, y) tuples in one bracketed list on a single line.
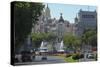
[(85, 20), (45, 24)]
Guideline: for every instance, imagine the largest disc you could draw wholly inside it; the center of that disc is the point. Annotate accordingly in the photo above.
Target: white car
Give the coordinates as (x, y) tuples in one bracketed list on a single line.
[(90, 56)]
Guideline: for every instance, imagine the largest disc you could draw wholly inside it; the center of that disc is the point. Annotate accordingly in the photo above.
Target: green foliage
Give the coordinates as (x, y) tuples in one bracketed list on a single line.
[(22, 4), (37, 38), (90, 37), (68, 39), (68, 55), (50, 37), (70, 59), (71, 40), (25, 15), (76, 56)]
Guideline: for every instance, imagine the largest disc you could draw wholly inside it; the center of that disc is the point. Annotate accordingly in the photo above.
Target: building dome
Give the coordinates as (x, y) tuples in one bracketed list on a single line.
[(61, 18)]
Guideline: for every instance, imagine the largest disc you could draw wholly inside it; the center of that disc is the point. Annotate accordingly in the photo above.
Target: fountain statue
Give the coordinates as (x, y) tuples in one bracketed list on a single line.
[(43, 46), (43, 50), (61, 47)]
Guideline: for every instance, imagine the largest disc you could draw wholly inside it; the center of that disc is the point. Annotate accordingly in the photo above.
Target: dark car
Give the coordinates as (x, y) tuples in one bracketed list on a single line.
[(44, 57), (26, 56)]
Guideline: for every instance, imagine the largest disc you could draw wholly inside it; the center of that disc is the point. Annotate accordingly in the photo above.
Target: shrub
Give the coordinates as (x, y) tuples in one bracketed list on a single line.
[(68, 55), (81, 55), (76, 56)]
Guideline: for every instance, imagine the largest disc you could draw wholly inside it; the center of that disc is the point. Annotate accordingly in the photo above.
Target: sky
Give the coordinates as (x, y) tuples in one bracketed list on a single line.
[(69, 12)]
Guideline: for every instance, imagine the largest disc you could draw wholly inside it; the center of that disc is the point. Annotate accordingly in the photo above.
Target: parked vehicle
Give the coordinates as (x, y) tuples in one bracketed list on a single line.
[(90, 56), (44, 57)]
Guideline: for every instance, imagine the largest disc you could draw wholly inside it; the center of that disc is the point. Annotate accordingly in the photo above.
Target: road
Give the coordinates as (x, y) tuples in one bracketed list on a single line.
[(50, 60), (86, 60)]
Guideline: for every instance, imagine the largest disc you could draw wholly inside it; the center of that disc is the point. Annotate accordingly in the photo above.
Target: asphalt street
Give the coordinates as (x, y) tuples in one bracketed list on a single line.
[(38, 60)]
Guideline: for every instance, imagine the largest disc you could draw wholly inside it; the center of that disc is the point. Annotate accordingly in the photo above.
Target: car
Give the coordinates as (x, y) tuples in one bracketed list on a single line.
[(90, 56), (44, 57)]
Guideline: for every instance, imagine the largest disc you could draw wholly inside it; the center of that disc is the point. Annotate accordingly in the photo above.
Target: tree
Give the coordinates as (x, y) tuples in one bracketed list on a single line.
[(71, 41), (93, 41), (90, 37), (77, 43), (25, 15), (37, 38), (52, 39)]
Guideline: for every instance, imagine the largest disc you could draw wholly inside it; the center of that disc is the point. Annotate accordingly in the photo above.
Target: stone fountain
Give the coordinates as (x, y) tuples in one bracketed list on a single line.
[(61, 47), (43, 50), (43, 47)]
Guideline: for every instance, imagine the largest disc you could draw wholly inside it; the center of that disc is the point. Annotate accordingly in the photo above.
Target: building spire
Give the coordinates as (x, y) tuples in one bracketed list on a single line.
[(47, 12), (61, 14)]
